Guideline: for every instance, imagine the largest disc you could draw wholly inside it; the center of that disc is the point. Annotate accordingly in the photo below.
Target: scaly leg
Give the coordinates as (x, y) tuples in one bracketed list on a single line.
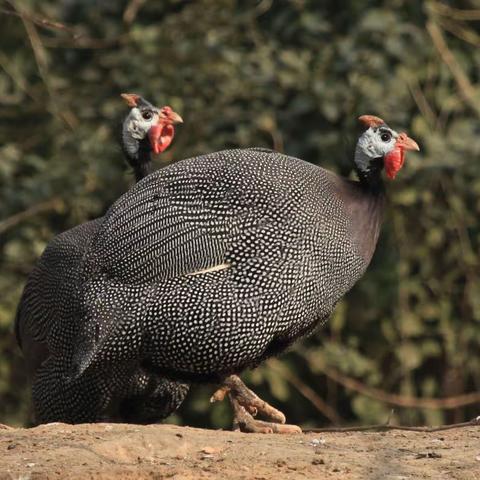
[(246, 405)]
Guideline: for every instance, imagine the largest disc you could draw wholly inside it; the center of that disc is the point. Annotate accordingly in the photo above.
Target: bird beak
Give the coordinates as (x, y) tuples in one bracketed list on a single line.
[(406, 143), (169, 117), (174, 118)]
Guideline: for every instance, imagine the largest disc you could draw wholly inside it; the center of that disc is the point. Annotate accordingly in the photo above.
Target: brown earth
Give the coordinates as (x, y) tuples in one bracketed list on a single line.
[(117, 451)]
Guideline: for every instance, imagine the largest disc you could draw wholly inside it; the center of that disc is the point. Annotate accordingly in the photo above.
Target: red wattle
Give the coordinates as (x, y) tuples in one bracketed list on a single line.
[(393, 162), (154, 135), (166, 137), (160, 137)]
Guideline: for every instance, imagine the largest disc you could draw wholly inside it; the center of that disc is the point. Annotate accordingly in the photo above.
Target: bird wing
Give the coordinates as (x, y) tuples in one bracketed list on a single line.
[(182, 220), (204, 247), (199, 217)]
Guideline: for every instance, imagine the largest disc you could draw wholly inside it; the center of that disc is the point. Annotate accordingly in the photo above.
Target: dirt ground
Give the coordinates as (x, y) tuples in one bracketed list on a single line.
[(117, 451)]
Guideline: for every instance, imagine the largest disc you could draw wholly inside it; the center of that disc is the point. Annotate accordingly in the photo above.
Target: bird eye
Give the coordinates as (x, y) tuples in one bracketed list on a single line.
[(147, 115), (386, 137)]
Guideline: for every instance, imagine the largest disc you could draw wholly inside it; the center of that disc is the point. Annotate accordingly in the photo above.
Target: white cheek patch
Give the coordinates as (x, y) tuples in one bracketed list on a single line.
[(371, 150), (365, 150), (136, 126), (135, 130)]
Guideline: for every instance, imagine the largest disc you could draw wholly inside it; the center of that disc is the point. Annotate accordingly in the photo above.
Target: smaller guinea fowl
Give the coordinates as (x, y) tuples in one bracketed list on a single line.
[(47, 303), (146, 130)]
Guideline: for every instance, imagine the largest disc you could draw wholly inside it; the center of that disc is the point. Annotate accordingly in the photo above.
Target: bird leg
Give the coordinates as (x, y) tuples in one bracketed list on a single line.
[(246, 405)]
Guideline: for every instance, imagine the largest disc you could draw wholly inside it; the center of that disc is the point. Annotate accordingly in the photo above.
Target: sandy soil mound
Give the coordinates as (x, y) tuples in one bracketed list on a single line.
[(116, 451)]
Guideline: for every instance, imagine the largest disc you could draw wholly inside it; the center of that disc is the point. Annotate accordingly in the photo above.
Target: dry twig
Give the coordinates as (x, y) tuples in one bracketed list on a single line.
[(454, 13), (467, 90), (131, 11), (52, 204), (42, 64), (460, 31), (325, 409), (422, 102), (40, 21), (386, 427), (402, 400), (75, 40)]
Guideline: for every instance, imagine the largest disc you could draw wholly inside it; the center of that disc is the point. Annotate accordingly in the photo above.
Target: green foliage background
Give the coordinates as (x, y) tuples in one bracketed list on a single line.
[(293, 75)]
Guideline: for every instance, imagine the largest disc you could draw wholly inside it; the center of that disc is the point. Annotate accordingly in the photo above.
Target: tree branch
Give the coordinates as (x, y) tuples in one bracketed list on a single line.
[(40, 56), (454, 13), (131, 11), (467, 90), (41, 21), (318, 402), (52, 204), (402, 400), (386, 427)]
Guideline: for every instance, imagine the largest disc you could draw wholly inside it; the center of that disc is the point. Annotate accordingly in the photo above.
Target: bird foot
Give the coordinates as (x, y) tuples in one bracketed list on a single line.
[(243, 421), (246, 405)]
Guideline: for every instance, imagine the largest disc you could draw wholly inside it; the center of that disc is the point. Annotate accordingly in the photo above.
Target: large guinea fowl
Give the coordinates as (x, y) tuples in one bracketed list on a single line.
[(210, 266), (43, 311)]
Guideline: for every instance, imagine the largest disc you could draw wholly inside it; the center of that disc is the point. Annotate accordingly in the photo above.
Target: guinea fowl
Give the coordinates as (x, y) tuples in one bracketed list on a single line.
[(212, 265), (147, 129), (44, 312)]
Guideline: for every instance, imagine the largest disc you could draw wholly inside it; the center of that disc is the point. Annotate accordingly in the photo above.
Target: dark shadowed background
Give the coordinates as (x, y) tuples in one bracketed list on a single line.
[(290, 75)]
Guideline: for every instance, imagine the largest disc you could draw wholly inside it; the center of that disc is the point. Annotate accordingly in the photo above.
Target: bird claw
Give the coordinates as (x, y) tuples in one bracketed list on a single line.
[(247, 405), (219, 394), (243, 421), (253, 411)]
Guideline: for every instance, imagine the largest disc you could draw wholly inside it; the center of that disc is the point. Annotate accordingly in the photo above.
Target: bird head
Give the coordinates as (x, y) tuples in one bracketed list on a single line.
[(146, 121), (379, 141)]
